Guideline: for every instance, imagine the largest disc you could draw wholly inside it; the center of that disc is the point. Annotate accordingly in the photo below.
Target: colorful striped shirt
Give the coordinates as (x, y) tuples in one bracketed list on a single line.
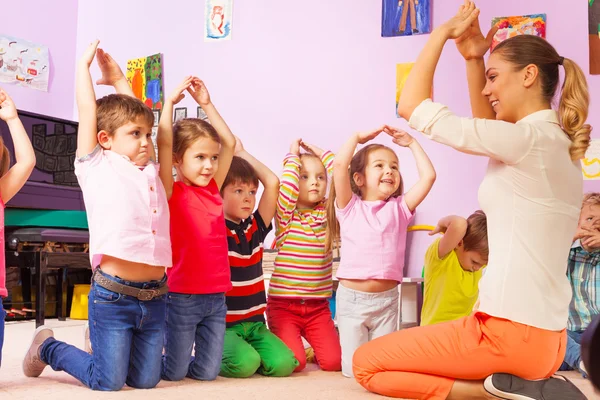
[(584, 273), (302, 267), (246, 301)]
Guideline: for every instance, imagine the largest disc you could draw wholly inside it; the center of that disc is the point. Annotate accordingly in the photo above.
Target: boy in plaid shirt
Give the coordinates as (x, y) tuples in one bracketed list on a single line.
[(584, 273)]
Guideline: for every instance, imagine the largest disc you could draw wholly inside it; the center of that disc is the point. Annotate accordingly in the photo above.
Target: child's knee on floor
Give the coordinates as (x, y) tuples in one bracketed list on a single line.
[(241, 365), (280, 365)]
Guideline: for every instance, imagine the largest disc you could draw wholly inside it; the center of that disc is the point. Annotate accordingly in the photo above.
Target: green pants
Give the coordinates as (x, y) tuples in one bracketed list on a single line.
[(250, 347)]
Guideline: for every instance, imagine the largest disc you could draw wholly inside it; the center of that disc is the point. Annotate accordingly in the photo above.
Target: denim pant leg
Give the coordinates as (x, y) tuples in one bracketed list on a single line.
[(145, 364), (210, 337), (573, 354), (114, 320), (2, 318), (183, 314), (111, 318)]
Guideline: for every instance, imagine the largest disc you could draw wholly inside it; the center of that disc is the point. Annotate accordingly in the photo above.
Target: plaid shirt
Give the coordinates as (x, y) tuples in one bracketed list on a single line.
[(584, 274)]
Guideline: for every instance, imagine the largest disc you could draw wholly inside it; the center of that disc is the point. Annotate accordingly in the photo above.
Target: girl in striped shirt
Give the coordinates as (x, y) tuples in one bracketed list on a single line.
[(301, 285)]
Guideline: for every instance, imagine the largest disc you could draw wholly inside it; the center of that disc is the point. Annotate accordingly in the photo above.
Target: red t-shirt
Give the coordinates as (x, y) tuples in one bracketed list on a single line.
[(199, 240)]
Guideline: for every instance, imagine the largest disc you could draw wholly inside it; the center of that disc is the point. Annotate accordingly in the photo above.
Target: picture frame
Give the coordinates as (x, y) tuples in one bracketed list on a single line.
[(180, 113)]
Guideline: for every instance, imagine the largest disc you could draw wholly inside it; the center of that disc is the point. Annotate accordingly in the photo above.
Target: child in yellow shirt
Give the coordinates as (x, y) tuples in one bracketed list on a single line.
[(453, 267)]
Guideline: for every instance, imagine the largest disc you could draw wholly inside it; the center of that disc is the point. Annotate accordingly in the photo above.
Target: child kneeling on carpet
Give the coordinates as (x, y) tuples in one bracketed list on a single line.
[(453, 267), (130, 244), (196, 310), (249, 346)]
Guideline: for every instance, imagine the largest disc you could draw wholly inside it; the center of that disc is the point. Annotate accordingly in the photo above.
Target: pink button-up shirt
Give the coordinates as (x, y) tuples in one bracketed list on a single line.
[(127, 209), (373, 237)]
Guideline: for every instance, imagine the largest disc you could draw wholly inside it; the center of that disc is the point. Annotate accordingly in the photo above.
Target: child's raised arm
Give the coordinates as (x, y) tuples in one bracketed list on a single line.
[(200, 94), (454, 229), (341, 173), (268, 201), (288, 189), (87, 132), (16, 177), (112, 75), (164, 137), (427, 175)]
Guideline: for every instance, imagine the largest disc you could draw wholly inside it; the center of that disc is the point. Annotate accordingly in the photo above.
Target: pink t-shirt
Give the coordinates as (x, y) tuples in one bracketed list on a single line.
[(3, 291), (373, 237), (127, 209)]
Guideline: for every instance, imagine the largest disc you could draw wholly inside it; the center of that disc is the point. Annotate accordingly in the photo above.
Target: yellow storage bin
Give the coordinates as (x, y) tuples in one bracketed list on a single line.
[(79, 304)]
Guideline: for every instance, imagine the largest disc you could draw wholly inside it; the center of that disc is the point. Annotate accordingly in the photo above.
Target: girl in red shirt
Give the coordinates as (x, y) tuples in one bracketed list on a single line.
[(201, 154)]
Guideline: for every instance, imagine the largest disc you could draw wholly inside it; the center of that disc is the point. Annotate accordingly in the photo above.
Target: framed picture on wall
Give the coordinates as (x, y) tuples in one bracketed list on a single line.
[(201, 114), (180, 113), (156, 117)]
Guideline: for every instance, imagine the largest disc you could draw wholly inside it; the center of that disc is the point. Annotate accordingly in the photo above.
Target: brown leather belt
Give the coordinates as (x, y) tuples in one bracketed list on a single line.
[(140, 294)]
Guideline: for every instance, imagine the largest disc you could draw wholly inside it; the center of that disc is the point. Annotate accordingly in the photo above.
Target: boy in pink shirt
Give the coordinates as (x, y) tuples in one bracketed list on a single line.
[(130, 244)]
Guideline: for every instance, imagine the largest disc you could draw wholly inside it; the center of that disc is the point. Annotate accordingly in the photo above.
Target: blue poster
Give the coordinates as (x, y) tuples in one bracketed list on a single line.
[(405, 17)]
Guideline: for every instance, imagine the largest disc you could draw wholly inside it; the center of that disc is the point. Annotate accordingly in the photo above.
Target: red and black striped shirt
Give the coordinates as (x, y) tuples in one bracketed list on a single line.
[(246, 301)]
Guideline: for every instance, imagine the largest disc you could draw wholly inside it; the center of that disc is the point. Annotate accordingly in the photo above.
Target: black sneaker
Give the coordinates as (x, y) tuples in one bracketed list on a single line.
[(511, 387)]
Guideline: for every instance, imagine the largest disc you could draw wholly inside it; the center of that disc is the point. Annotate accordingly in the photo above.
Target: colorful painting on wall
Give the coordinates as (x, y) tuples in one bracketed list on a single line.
[(594, 35), (590, 165), (405, 17), (24, 63), (402, 71), (145, 76), (508, 27), (217, 20)]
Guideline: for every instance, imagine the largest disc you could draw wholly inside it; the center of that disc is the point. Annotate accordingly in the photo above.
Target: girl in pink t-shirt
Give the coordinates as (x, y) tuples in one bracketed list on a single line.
[(372, 214), (11, 180)]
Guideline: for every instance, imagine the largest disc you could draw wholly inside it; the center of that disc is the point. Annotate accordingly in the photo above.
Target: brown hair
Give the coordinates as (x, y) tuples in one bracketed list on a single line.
[(476, 238), (357, 165), (591, 199), (240, 171), (116, 110), (524, 50), (4, 158), (186, 131)]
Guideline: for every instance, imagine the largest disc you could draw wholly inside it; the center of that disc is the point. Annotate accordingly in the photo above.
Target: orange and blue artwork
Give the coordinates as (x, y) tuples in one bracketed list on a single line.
[(145, 76), (405, 17)]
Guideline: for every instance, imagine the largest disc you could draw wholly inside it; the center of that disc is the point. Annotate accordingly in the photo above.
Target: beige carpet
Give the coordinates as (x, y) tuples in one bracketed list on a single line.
[(311, 384)]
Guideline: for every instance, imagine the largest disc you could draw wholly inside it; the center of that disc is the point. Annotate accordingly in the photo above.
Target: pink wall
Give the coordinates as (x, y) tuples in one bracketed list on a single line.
[(317, 70), (44, 22)]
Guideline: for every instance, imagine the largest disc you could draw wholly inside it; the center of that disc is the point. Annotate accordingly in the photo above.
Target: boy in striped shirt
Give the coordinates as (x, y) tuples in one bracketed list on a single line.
[(249, 346)]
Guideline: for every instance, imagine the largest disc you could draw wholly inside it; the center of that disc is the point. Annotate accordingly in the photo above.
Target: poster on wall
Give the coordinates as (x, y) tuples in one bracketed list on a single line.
[(145, 76), (402, 71), (508, 27), (217, 20), (590, 165), (24, 63), (594, 35), (405, 17)]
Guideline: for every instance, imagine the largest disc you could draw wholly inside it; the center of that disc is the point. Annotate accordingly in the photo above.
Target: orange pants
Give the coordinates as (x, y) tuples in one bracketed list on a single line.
[(424, 362)]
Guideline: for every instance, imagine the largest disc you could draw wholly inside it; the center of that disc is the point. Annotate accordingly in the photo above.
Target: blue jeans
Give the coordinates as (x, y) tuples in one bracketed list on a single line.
[(194, 319), (2, 317), (127, 340), (573, 354)]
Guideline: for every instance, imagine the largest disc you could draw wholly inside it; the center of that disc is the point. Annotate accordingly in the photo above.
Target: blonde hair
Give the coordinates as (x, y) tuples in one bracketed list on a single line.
[(573, 108), (591, 199), (357, 165)]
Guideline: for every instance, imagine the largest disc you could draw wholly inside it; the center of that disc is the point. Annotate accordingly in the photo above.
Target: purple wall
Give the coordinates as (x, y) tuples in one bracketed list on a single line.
[(317, 70), (44, 22)]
